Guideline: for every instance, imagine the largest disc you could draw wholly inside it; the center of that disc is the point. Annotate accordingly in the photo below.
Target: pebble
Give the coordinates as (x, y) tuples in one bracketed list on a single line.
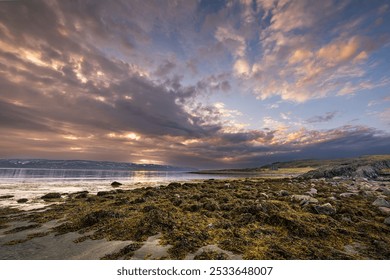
[(387, 221)]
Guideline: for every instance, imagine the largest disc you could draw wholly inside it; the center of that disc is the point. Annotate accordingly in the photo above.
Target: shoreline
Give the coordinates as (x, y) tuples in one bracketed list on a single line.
[(252, 218)]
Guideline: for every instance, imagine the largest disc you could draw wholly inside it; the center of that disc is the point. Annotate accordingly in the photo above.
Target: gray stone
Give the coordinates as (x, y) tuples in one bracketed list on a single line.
[(385, 191), (348, 194), (312, 191), (303, 199), (325, 209), (387, 221), (384, 210), (381, 202)]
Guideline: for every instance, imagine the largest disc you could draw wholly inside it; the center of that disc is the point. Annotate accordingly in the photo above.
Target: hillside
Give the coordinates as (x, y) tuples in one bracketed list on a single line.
[(366, 166), (85, 164)]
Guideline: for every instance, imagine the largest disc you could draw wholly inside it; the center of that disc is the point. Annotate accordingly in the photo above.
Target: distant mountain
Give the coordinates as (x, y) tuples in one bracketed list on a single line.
[(86, 164)]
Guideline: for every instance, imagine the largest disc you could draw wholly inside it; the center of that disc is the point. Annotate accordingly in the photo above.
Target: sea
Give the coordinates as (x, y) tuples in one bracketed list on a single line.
[(33, 183)]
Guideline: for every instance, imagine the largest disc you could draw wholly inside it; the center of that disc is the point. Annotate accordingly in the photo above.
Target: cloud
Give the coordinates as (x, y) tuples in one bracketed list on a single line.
[(298, 64), (324, 118), (130, 81), (241, 67), (233, 42), (165, 68)]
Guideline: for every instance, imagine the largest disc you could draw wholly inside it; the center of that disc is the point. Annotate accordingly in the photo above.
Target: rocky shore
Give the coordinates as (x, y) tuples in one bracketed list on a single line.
[(291, 218)]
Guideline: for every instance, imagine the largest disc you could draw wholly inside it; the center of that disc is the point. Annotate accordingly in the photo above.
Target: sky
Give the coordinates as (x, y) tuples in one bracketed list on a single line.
[(204, 84)]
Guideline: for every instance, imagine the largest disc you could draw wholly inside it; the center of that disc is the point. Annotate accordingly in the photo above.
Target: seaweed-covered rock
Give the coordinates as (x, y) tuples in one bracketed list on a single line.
[(325, 209), (284, 193), (53, 195), (174, 185), (97, 216), (104, 193), (210, 205)]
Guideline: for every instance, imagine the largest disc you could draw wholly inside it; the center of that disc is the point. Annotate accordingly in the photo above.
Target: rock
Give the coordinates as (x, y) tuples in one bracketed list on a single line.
[(348, 194), (303, 199), (384, 190), (6, 196), (384, 210), (104, 193), (381, 202), (312, 191), (284, 193), (53, 195), (22, 200), (264, 195), (387, 221), (82, 195), (325, 209), (116, 184), (174, 185)]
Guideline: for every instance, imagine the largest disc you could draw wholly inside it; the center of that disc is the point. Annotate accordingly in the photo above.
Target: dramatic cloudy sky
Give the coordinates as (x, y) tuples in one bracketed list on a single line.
[(207, 84)]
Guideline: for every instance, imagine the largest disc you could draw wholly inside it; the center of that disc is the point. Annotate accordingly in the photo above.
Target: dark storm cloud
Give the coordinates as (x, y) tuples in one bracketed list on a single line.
[(22, 118)]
